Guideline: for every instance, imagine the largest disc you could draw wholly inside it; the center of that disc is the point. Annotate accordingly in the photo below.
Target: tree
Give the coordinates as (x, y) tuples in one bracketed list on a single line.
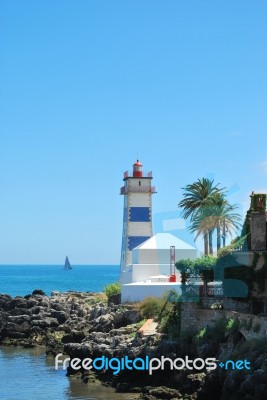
[(196, 202), (220, 215)]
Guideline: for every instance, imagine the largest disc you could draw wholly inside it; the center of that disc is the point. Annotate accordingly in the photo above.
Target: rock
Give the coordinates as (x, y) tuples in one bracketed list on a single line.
[(165, 393), (55, 293), (61, 316), (122, 387), (38, 291), (73, 337), (131, 316), (114, 299), (78, 350), (20, 311), (45, 323), (17, 302), (4, 300), (32, 302)]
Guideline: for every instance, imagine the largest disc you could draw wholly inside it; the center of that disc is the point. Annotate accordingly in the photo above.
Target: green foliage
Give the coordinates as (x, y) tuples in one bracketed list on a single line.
[(208, 209), (199, 338), (205, 267), (232, 325), (167, 311), (227, 268), (258, 202), (151, 307), (112, 289), (184, 264), (170, 321), (225, 251), (185, 267), (236, 244), (214, 333)]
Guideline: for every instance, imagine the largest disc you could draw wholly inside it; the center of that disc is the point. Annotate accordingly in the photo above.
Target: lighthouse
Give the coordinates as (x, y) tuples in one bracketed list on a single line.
[(137, 212)]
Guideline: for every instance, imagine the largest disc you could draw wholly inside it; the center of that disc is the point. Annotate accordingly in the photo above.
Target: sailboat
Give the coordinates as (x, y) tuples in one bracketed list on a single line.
[(67, 264)]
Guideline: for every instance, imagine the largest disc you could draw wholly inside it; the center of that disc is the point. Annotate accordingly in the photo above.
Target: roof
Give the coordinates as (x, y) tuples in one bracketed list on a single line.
[(164, 241), (138, 163)]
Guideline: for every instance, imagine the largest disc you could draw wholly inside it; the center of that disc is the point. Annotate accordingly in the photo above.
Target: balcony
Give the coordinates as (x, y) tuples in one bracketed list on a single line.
[(145, 174), (138, 189)]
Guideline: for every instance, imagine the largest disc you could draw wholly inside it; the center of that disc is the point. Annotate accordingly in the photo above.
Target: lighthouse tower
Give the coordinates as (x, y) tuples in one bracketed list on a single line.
[(137, 213)]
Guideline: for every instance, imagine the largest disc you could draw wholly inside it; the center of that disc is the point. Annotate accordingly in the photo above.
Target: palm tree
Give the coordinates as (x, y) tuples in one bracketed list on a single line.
[(197, 198), (221, 216)]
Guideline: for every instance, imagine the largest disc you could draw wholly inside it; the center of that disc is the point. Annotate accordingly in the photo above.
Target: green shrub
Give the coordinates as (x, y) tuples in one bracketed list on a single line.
[(151, 307), (232, 325), (112, 288), (199, 337), (214, 333)]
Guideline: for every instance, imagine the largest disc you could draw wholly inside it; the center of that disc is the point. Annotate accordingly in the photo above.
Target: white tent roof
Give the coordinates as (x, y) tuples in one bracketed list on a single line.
[(164, 241)]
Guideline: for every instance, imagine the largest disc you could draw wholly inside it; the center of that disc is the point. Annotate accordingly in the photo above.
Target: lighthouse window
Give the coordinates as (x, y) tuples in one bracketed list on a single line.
[(139, 183)]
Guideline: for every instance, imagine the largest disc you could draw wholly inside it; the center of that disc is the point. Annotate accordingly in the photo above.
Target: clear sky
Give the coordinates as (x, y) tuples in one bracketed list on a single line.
[(86, 86)]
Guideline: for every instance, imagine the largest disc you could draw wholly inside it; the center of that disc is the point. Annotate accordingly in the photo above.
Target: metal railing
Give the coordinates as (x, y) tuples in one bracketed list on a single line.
[(145, 174), (138, 189)]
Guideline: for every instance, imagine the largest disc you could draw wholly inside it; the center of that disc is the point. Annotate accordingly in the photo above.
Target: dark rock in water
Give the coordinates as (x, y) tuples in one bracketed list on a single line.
[(38, 291)]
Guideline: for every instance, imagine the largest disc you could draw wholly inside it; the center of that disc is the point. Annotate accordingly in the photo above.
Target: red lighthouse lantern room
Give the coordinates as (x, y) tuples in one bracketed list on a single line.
[(137, 169)]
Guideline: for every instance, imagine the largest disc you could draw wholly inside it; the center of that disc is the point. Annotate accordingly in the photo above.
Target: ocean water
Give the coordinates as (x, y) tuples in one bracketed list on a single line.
[(27, 374), (19, 280)]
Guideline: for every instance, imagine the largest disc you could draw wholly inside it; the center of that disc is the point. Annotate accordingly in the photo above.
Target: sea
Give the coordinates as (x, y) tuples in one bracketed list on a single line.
[(27, 374)]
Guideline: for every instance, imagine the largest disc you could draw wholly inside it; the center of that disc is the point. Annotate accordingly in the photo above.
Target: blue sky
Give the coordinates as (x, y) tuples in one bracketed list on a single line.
[(87, 86)]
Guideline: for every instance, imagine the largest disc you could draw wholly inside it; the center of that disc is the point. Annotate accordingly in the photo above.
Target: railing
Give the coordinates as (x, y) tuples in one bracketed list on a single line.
[(138, 189), (145, 174), (200, 291)]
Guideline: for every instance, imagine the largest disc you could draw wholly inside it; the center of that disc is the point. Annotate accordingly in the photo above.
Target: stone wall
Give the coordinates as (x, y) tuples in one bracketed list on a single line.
[(227, 303), (194, 318)]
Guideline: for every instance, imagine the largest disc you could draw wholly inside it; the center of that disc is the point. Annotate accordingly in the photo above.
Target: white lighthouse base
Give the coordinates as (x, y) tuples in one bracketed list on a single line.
[(133, 292), (141, 272)]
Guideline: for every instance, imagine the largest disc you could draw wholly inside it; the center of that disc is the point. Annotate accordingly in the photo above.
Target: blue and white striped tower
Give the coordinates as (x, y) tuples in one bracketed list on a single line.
[(137, 213)]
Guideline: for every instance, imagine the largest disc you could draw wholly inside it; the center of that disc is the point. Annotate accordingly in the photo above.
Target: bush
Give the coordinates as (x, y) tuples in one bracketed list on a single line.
[(151, 307), (232, 325), (112, 288), (214, 333)]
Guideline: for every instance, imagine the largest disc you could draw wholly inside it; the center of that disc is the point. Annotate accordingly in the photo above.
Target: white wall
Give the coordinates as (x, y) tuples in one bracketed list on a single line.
[(160, 256), (135, 292), (141, 272)]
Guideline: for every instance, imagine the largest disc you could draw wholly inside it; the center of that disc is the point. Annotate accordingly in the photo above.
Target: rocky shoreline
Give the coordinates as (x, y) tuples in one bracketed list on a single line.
[(86, 325)]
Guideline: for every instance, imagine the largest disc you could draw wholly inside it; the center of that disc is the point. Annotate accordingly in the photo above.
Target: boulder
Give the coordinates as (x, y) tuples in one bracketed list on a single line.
[(38, 291), (61, 316)]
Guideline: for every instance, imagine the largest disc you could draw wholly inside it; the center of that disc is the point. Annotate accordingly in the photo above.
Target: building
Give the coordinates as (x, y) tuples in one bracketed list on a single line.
[(147, 264), (137, 211)]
